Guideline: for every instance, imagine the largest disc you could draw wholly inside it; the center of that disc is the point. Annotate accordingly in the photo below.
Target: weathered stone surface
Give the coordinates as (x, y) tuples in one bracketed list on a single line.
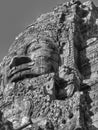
[(49, 79)]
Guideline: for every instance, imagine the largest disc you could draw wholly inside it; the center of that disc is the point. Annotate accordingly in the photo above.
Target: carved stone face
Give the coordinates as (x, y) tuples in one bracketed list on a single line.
[(32, 60)]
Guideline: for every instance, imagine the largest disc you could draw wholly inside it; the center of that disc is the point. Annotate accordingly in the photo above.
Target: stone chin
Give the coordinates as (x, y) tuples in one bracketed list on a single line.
[(39, 58)]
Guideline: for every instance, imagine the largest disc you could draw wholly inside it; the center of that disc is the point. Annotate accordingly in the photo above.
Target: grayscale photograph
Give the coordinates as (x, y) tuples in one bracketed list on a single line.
[(48, 64)]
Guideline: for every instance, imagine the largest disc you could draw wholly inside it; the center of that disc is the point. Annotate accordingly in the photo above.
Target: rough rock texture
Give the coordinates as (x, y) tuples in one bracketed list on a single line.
[(49, 79)]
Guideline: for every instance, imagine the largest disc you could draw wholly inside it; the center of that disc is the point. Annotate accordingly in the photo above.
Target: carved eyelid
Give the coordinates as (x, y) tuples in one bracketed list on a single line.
[(28, 47), (33, 46)]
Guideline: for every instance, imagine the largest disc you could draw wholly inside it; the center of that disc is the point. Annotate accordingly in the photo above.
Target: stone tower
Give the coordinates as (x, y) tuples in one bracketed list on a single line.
[(48, 80)]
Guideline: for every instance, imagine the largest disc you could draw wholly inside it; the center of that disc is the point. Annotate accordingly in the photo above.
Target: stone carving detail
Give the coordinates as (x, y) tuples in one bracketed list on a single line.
[(4, 124), (48, 80)]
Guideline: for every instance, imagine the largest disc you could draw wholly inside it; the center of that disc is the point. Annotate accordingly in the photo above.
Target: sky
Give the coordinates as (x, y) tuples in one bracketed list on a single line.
[(15, 15)]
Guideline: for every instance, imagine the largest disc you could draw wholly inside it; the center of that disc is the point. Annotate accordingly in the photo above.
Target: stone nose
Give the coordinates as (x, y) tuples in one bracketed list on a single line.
[(16, 61)]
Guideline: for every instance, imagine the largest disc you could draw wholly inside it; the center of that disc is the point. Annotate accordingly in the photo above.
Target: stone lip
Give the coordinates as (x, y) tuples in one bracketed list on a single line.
[(28, 71), (19, 72)]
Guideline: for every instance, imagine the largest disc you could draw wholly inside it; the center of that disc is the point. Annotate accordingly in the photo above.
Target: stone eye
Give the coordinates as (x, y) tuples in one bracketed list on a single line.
[(33, 47)]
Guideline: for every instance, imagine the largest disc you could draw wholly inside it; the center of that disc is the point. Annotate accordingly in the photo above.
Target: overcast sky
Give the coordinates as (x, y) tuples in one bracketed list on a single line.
[(15, 15)]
